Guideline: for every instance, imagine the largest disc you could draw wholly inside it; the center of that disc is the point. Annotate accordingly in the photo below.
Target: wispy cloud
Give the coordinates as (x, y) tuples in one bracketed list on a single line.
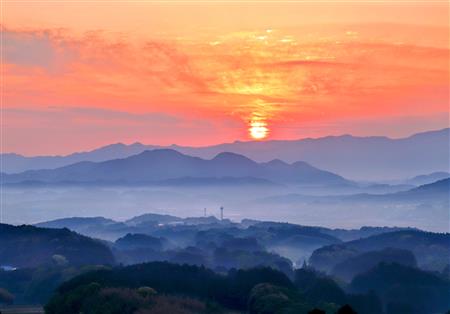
[(65, 129), (281, 76)]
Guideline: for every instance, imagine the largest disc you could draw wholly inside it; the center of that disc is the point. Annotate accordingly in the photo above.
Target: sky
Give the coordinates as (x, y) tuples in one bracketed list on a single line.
[(77, 74)]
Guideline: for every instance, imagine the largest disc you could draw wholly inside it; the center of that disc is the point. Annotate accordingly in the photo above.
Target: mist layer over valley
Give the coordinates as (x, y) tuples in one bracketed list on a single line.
[(168, 182), (93, 236), (224, 157)]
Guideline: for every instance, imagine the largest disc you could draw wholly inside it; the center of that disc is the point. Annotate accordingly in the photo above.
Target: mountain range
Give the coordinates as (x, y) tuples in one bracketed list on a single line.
[(360, 158), (166, 166), (430, 249), (428, 178), (438, 191)]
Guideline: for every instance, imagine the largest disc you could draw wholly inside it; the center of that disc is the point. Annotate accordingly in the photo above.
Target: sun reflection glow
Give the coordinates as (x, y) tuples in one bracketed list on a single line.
[(258, 130)]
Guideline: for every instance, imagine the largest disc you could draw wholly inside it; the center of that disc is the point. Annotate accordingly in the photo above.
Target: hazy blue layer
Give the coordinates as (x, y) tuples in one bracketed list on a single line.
[(32, 205)]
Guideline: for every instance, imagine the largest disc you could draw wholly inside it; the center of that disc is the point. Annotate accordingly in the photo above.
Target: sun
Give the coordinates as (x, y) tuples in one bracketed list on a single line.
[(258, 130)]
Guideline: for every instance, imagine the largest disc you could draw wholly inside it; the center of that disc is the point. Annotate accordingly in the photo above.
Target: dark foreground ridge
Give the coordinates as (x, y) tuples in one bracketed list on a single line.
[(258, 290), (167, 264)]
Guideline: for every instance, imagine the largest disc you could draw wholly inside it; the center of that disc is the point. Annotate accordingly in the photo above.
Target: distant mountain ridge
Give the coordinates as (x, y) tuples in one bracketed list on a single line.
[(428, 178), (437, 191), (14, 163), (361, 158), (163, 165)]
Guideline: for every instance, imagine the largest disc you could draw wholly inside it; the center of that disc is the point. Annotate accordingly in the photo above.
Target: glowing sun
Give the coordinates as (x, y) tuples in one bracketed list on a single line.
[(258, 130)]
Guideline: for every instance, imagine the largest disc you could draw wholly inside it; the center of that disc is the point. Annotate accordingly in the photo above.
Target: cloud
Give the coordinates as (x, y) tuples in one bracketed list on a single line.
[(306, 63), (107, 114), (89, 114), (63, 130), (37, 48), (103, 79), (240, 66), (28, 49), (398, 125)]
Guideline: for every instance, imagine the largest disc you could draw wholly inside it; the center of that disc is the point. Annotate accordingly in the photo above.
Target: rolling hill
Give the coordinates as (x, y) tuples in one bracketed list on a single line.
[(28, 246), (438, 191), (359, 158), (163, 165), (432, 250), (428, 178)]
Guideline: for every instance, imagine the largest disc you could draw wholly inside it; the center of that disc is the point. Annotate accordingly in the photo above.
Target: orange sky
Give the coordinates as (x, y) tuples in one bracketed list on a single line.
[(79, 74)]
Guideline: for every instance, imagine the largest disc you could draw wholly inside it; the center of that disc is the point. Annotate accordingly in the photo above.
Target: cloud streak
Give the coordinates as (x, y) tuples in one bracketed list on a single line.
[(279, 76), (80, 127)]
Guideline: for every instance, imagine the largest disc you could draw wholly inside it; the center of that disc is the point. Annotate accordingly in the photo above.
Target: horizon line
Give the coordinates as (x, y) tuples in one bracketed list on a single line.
[(158, 146)]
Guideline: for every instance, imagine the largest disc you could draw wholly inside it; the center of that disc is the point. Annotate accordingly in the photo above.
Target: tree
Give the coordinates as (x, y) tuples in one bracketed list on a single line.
[(147, 292), (305, 278), (346, 309), (317, 311), (326, 290), (266, 298), (396, 307), (368, 303)]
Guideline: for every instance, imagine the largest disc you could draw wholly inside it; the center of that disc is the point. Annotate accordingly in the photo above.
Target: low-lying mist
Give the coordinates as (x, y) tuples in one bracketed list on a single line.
[(300, 205)]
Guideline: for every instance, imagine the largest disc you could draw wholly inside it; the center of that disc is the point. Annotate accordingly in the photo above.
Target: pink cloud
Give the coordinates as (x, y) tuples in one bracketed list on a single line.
[(115, 80)]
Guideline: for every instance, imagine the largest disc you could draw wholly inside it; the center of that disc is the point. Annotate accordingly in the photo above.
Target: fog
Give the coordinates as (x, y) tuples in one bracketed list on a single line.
[(286, 204)]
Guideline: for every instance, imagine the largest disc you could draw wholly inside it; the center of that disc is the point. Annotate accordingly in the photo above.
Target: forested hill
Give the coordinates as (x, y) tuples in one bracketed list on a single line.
[(28, 246)]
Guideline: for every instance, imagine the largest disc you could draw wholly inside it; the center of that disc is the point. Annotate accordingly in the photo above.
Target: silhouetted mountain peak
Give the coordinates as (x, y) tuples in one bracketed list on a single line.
[(277, 162), (428, 178), (434, 133), (232, 157), (443, 184), (108, 148), (165, 165), (365, 158), (119, 144), (159, 153)]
